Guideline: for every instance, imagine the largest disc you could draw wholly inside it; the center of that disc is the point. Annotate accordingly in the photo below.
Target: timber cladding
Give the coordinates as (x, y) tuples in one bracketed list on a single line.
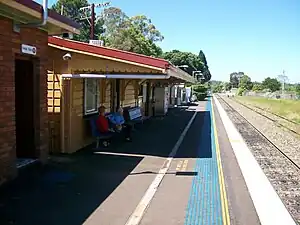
[(105, 98), (129, 94), (66, 109), (69, 126), (54, 110), (10, 46)]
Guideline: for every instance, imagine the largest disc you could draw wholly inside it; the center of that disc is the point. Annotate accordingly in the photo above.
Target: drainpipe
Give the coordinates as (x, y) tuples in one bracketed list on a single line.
[(45, 13), (45, 17)]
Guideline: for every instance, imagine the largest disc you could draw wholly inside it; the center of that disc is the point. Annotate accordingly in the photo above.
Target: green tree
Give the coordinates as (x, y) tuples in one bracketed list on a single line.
[(218, 88), (240, 75), (240, 91), (272, 84), (115, 28), (131, 39), (71, 10), (205, 71), (245, 83), (202, 58), (179, 58), (191, 60), (115, 20), (297, 89), (233, 80), (227, 86), (199, 88), (257, 86), (145, 26), (200, 91), (207, 74), (290, 87), (136, 34)]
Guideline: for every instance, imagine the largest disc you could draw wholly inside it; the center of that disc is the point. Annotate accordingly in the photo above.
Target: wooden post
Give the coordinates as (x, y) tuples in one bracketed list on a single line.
[(136, 92), (66, 115), (122, 91), (102, 90)]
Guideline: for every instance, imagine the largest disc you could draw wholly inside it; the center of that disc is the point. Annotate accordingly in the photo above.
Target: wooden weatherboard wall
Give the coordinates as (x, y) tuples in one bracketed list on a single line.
[(54, 110)]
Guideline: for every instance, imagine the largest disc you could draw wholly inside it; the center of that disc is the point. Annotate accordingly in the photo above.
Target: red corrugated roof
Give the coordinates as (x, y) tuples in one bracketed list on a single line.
[(37, 7), (110, 52)]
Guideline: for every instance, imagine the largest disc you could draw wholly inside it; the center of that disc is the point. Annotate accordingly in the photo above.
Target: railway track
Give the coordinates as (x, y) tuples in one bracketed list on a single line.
[(258, 131), (275, 114), (281, 170), (277, 122)]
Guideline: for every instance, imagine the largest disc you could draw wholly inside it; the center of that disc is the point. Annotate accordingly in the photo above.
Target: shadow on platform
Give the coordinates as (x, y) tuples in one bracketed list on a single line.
[(70, 188)]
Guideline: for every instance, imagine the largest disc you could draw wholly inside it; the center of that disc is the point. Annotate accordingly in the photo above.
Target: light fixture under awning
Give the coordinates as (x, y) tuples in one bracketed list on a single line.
[(118, 76)]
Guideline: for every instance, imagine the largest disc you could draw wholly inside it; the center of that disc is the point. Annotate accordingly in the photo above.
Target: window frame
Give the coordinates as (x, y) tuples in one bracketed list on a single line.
[(87, 112)]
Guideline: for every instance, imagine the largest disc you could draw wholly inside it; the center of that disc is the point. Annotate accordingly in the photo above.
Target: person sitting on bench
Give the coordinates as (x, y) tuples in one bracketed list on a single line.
[(103, 124), (119, 121)]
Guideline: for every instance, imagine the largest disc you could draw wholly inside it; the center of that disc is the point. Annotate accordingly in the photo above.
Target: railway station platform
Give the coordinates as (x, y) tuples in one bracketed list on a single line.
[(188, 168)]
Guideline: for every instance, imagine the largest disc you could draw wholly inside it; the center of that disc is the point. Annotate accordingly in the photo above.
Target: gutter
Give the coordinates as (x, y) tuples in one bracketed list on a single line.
[(118, 76), (45, 17)]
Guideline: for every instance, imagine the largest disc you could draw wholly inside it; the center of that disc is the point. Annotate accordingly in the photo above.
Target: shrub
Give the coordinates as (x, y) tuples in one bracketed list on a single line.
[(200, 89), (200, 96)]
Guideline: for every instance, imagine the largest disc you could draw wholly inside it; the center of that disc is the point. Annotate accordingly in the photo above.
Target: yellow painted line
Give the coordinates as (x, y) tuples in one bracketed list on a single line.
[(224, 201), (184, 166), (233, 140), (179, 165)]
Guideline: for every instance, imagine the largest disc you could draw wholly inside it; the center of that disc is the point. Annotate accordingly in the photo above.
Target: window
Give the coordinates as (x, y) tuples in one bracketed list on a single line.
[(91, 96)]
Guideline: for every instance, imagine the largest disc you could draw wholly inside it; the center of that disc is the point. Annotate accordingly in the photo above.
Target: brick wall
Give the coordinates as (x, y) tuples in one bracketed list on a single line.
[(10, 45)]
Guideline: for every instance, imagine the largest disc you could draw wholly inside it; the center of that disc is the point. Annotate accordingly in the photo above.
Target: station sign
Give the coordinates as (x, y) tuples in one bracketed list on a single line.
[(27, 49)]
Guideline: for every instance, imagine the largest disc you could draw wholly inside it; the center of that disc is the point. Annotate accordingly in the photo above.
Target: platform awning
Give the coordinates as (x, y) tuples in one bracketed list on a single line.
[(180, 75), (92, 61)]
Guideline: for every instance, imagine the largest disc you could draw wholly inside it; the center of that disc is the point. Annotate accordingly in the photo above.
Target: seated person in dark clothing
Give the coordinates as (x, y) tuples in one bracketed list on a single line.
[(119, 122), (103, 124)]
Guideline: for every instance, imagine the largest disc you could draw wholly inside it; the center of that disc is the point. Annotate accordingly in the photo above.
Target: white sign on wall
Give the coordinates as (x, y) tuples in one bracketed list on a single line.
[(27, 49), (96, 42)]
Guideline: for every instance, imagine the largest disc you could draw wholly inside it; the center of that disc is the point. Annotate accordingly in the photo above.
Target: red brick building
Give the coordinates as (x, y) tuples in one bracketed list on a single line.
[(23, 81)]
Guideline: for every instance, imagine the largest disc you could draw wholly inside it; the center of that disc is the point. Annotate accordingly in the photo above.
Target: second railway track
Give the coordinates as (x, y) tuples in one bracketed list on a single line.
[(258, 131), (286, 125)]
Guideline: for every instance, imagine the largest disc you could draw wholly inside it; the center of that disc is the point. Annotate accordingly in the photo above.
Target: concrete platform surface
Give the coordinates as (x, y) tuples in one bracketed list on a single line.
[(170, 174)]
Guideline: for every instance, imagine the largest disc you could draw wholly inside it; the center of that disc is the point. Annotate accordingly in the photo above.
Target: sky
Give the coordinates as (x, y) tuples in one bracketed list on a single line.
[(258, 37)]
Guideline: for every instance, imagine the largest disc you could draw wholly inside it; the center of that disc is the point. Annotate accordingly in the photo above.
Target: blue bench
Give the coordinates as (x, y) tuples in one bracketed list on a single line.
[(95, 133), (134, 115)]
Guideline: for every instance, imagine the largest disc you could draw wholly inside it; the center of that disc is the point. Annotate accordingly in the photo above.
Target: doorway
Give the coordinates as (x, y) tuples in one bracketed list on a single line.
[(25, 109)]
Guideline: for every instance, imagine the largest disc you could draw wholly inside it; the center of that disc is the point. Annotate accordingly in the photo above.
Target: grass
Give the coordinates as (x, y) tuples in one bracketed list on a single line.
[(287, 108)]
